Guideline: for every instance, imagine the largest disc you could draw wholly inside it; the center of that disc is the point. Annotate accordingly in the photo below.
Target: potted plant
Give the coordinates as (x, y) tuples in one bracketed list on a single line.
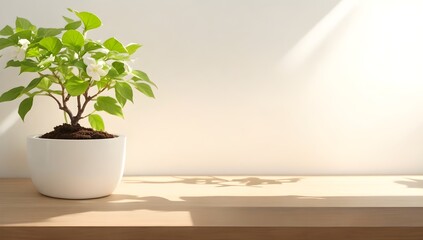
[(76, 72)]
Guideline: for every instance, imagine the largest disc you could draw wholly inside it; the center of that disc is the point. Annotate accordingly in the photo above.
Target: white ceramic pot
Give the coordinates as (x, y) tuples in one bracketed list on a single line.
[(76, 169)]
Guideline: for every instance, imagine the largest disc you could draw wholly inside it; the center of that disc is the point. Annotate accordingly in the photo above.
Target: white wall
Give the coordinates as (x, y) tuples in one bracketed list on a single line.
[(252, 86)]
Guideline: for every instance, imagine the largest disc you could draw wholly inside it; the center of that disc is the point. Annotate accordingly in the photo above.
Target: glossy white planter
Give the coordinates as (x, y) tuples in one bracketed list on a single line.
[(76, 169)]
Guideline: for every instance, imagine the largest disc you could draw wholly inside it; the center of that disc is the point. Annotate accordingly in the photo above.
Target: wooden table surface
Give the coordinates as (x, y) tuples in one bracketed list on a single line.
[(230, 207)]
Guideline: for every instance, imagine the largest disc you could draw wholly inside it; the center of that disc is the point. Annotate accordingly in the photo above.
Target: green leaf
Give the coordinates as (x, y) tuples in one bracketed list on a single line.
[(25, 34), (32, 84), (120, 99), (114, 45), (144, 88), (52, 44), (109, 105), (90, 46), (113, 73), (48, 32), (25, 106), (73, 25), (7, 31), (96, 122), (90, 20), (4, 43), (98, 55), (125, 90), (46, 62), (102, 83), (79, 64), (12, 94), (119, 66), (57, 92), (132, 48), (142, 76), (29, 66), (68, 20), (76, 86), (73, 39), (23, 24), (13, 63), (118, 56), (33, 52), (44, 84)]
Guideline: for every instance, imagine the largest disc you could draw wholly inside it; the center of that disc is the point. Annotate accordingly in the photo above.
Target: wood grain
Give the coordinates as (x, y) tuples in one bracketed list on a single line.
[(210, 233), (229, 207)]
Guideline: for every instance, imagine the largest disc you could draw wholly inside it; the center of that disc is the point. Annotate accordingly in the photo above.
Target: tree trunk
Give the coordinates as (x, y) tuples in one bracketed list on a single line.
[(75, 120)]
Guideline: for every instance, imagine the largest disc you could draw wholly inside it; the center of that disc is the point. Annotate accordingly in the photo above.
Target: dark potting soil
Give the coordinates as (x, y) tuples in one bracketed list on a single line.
[(67, 131)]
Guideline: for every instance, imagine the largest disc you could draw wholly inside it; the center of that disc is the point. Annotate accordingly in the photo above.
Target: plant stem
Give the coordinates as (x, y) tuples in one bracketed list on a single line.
[(66, 117), (87, 99), (88, 114), (74, 119), (78, 99), (66, 98)]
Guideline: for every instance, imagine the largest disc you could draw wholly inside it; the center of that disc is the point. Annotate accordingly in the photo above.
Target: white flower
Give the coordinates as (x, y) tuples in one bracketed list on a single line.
[(18, 54), (88, 60), (24, 43), (95, 69), (19, 51), (74, 70)]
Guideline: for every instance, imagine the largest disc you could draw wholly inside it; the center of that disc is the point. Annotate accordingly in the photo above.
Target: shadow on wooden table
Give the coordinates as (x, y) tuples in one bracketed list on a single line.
[(275, 210), (225, 182), (412, 183), (235, 210)]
